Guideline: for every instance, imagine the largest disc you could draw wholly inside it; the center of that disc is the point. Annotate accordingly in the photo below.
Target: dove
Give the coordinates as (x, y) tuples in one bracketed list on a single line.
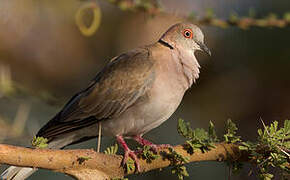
[(133, 94)]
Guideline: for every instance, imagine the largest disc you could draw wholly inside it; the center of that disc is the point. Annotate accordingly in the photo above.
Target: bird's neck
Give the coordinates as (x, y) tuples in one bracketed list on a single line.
[(188, 64)]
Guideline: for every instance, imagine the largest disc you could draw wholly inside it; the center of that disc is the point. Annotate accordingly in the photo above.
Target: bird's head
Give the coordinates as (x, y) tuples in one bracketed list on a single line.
[(185, 35)]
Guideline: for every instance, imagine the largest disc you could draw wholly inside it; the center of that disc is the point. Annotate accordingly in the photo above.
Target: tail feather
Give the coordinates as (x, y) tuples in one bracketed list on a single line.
[(17, 173), (10, 172)]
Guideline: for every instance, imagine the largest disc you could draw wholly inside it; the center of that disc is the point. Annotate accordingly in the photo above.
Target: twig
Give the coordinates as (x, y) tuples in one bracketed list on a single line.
[(99, 136), (284, 151)]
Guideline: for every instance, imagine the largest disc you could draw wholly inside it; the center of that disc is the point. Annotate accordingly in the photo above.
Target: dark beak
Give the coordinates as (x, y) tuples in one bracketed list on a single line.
[(204, 48)]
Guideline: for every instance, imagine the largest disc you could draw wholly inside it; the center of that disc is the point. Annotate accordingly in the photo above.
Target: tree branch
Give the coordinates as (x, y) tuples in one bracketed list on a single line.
[(84, 164), (153, 7)]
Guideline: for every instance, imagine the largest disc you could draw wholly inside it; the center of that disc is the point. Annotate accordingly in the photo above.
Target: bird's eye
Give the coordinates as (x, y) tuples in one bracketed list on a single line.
[(187, 33)]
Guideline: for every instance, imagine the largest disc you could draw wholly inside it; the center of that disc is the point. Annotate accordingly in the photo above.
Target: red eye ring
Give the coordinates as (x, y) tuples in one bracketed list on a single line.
[(187, 33)]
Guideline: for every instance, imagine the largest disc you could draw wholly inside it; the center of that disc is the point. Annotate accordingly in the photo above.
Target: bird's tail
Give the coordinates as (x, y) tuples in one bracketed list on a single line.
[(17, 173)]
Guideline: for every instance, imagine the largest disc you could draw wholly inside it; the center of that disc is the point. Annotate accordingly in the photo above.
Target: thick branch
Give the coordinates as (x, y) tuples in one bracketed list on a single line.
[(85, 164)]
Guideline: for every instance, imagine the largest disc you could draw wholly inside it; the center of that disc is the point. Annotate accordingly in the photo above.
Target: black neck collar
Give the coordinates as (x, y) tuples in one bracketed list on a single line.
[(165, 44)]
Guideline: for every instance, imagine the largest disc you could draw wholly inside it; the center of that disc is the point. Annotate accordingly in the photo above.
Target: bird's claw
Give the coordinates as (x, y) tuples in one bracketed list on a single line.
[(131, 154)]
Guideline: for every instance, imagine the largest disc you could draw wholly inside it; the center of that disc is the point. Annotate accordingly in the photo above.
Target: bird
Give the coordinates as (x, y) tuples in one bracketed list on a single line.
[(133, 94)]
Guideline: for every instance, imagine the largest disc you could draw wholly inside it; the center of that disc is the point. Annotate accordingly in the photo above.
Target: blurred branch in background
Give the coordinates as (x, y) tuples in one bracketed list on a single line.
[(10, 88), (20, 119), (242, 22), (152, 7), (15, 129), (6, 86)]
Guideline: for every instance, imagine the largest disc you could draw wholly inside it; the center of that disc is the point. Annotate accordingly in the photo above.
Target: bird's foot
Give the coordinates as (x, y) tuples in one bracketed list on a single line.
[(128, 153), (154, 147), (131, 154)]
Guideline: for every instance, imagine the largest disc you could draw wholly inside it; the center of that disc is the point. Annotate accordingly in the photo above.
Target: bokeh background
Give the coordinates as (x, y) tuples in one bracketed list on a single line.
[(45, 59)]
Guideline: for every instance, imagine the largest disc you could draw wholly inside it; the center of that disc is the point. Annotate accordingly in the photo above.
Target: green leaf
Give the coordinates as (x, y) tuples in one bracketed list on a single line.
[(39, 142), (82, 159), (180, 171), (112, 149), (211, 132), (231, 129), (287, 126), (266, 176), (148, 154), (177, 160), (130, 165), (197, 138), (184, 129)]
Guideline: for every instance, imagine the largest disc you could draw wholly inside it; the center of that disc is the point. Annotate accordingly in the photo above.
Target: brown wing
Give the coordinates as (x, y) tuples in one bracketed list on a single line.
[(125, 79)]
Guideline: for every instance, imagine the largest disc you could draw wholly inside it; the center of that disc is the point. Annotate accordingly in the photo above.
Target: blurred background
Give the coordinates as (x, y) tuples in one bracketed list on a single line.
[(45, 59)]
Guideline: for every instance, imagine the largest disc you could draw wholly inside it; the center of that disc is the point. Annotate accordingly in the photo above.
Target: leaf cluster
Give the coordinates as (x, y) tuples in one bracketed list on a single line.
[(39, 142), (130, 165), (148, 154), (143, 5), (231, 133), (197, 138), (82, 159), (112, 149), (177, 161), (271, 150)]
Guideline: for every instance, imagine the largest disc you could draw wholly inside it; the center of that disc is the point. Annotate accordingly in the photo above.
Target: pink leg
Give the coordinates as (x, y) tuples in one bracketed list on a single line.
[(128, 153), (154, 147)]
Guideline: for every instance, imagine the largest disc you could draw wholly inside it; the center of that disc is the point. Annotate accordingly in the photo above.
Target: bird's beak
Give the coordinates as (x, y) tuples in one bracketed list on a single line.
[(204, 48)]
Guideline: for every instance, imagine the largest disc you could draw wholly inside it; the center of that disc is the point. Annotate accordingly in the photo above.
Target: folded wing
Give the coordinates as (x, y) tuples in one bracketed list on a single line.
[(117, 87)]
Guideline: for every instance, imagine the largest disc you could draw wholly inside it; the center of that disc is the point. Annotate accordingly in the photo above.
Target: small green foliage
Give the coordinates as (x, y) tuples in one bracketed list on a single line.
[(184, 128), (130, 165), (211, 133), (197, 138), (265, 176), (120, 179), (39, 142), (82, 159), (271, 150), (209, 14), (180, 170), (231, 137), (143, 5), (148, 154), (233, 18), (231, 129), (175, 158), (252, 13), (177, 161), (192, 16), (287, 16), (235, 166), (112, 149)]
